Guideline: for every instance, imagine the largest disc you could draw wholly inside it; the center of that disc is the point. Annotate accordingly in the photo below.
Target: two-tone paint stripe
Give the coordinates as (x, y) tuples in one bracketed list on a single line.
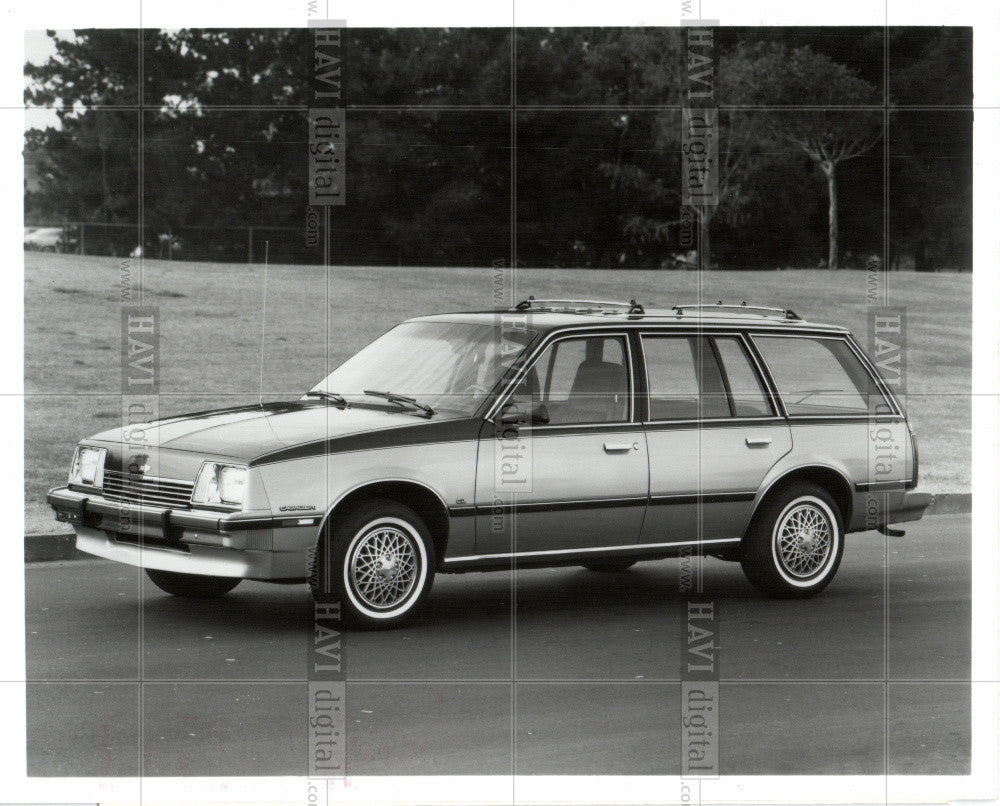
[(400, 436), (883, 486), (601, 503)]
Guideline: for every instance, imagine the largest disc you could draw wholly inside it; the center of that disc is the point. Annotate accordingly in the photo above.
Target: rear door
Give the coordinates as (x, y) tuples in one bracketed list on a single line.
[(714, 430)]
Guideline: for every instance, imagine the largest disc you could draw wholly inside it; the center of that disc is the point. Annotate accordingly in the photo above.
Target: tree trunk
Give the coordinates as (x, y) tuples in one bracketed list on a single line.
[(704, 238), (921, 260), (830, 169), (102, 143), (105, 187)]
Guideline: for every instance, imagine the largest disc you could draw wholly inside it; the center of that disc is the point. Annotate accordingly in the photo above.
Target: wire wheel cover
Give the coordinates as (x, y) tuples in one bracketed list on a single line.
[(803, 540), (384, 567)]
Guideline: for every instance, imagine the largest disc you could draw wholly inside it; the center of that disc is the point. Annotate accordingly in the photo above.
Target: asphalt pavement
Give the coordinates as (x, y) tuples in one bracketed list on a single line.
[(582, 677)]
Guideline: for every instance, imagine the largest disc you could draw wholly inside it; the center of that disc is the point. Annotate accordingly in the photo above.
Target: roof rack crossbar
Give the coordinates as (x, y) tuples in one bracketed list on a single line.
[(761, 310), (577, 305)]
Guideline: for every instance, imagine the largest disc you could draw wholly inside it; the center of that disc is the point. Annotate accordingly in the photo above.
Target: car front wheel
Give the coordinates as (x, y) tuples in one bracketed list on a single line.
[(192, 586), (794, 545), (378, 562)]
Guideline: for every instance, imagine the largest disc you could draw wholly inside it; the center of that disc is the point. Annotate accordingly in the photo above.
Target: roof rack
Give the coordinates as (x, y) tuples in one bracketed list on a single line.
[(742, 308), (579, 305)]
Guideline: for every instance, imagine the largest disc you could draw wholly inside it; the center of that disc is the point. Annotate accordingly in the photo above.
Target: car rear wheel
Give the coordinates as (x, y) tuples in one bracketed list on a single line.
[(609, 566), (192, 586), (794, 545), (377, 562)]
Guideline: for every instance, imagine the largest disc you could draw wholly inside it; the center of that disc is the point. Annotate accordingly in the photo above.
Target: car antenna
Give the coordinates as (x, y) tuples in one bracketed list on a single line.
[(263, 326)]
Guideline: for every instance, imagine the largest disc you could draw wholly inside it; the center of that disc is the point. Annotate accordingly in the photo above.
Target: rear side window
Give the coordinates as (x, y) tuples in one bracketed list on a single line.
[(820, 376), (749, 397), (684, 378)]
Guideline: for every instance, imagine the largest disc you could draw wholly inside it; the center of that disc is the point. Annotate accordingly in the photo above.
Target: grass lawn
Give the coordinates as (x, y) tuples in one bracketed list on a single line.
[(211, 337)]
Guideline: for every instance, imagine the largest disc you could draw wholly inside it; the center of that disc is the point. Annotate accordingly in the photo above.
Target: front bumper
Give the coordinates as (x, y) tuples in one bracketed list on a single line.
[(230, 544)]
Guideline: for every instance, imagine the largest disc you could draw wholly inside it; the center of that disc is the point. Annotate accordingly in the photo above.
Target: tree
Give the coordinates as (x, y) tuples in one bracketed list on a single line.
[(591, 187), (245, 163), (930, 184), (597, 160), (829, 144), (742, 140), (830, 128)]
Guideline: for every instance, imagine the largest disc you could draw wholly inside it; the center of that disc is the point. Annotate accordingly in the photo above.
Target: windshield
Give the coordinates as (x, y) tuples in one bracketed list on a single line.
[(450, 366)]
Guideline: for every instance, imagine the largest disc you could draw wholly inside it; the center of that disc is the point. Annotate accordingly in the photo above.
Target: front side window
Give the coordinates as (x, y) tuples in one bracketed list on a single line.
[(579, 380), (820, 376)]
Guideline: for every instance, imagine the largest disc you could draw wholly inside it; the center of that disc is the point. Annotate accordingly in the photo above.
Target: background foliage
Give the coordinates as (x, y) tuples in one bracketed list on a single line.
[(433, 174)]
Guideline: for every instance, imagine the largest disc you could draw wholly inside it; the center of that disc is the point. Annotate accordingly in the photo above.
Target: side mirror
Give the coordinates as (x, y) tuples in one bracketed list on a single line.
[(512, 415)]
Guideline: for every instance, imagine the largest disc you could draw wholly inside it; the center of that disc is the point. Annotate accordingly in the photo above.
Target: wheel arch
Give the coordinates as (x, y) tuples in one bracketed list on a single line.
[(825, 476), (423, 500)]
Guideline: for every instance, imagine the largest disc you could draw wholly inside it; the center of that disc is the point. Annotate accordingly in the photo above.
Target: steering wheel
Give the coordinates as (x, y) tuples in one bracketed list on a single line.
[(475, 388)]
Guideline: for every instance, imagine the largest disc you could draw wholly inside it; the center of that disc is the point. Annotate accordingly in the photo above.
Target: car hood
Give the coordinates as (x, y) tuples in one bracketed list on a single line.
[(249, 432)]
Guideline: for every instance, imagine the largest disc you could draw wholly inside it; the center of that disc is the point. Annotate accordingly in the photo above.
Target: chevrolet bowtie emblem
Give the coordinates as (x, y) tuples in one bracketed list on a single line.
[(139, 464)]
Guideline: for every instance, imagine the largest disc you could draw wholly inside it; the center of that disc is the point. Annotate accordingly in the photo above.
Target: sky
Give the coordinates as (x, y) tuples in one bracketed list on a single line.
[(38, 47)]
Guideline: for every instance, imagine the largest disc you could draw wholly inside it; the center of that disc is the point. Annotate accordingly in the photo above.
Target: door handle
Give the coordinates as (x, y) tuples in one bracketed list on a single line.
[(619, 447), (758, 442)]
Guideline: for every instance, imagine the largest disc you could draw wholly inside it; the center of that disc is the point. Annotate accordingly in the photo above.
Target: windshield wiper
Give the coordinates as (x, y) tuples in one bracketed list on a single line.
[(403, 400), (333, 397)]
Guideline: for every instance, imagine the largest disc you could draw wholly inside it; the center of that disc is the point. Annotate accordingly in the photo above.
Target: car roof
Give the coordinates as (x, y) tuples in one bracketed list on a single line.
[(546, 319)]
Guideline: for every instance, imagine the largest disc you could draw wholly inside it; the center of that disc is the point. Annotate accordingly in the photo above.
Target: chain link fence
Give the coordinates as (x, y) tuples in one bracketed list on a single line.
[(208, 243), (351, 244)]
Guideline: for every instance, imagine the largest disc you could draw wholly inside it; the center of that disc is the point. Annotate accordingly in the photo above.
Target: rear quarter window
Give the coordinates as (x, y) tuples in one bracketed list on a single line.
[(749, 397), (820, 376)]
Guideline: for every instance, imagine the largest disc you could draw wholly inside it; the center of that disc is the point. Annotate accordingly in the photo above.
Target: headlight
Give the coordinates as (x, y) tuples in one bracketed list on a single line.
[(220, 484), (88, 466)]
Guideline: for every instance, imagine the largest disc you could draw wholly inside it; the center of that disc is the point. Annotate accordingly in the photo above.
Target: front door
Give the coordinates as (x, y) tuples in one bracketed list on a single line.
[(573, 473), (713, 431)]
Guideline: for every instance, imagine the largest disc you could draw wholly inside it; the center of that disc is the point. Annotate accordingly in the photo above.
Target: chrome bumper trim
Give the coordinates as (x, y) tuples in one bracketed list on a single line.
[(72, 506)]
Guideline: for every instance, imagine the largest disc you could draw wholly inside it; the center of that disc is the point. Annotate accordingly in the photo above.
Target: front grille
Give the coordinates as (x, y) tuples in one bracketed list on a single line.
[(145, 490)]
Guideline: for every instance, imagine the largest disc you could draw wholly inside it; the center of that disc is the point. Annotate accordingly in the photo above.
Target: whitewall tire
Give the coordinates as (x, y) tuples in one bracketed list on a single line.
[(795, 543), (378, 562)]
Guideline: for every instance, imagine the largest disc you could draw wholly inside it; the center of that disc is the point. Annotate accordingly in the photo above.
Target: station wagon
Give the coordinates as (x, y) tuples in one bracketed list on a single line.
[(556, 432)]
